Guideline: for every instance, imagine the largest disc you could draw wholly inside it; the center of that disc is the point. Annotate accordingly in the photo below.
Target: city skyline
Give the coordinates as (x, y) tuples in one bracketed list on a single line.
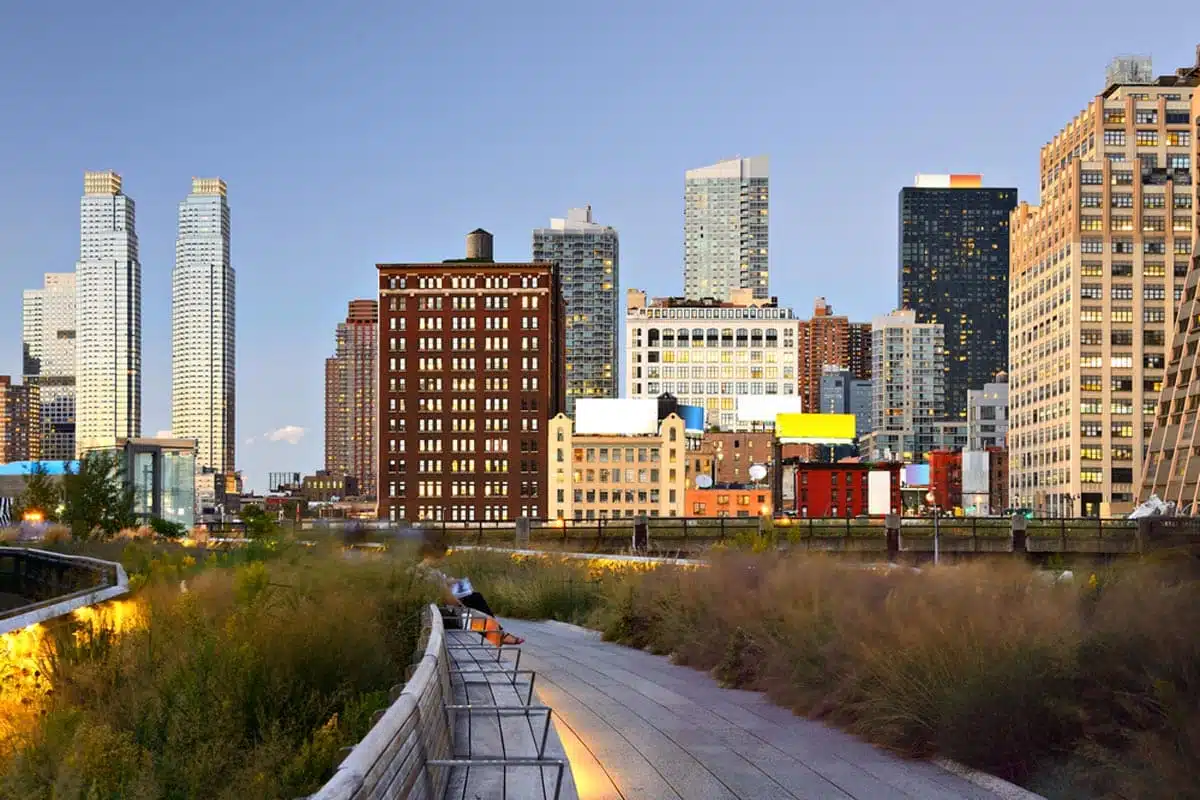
[(832, 235)]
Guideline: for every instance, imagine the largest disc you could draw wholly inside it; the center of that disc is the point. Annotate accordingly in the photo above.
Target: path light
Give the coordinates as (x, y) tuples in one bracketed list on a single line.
[(931, 499)]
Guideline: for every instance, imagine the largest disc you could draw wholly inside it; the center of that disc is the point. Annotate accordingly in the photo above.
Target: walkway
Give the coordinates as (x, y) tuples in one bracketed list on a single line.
[(636, 726)]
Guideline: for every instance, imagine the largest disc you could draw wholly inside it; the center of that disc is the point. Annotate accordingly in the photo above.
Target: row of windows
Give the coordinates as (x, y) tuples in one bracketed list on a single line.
[(464, 282), (1149, 224), (1126, 246)]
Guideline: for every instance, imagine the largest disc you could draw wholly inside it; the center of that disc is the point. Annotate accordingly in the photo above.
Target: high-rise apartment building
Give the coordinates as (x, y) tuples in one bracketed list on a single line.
[(987, 415), (1097, 272), (954, 243), (20, 428), (1172, 465), (707, 353), (828, 340), (725, 222), (48, 343), (350, 411), (588, 260), (908, 388), (470, 373), (108, 305), (843, 393), (203, 356)]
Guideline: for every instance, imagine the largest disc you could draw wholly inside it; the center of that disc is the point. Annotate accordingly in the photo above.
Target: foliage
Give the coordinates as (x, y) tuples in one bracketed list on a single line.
[(42, 493), (97, 499), (247, 685), (166, 528), (258, 523)]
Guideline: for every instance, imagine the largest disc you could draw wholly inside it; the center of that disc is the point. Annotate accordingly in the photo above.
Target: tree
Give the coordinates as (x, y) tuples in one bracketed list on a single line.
[(257, 522), (41, 493), (96, 497)]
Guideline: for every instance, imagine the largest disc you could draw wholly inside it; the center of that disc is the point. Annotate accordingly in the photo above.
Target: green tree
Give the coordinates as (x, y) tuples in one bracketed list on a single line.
[(258, 523), (97, 498), (42, 493)]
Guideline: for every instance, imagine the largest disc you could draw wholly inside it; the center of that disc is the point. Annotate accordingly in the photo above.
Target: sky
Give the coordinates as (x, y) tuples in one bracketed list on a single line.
[(355, 133)]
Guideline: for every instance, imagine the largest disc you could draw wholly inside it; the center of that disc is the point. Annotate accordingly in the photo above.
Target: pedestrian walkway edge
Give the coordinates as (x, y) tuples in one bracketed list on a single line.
[(985, 780)]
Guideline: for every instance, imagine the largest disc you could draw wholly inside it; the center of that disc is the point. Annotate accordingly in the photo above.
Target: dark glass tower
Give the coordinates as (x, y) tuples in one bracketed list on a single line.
[(954, 271)]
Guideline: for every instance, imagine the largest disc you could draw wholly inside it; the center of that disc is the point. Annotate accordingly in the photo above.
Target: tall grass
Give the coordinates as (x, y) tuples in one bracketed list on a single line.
[(245, 685)]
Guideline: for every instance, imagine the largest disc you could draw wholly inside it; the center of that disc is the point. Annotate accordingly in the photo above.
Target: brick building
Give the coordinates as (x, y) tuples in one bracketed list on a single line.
[(829, 340), (946, 478), (20, 421), (470, 373), (350, 416), (840, 489)]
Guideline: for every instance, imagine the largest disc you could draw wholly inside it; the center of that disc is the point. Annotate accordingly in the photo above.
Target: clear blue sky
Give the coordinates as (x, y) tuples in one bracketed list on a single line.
[(352, 136)]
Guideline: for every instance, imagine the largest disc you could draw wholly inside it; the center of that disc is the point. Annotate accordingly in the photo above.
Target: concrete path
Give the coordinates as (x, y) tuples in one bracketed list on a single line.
[(636, 726)]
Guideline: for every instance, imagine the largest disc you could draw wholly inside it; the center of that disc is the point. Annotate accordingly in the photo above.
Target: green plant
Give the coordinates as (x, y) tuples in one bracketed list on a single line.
[(41, 493), (257, 523), (97, 499), (166, 528)]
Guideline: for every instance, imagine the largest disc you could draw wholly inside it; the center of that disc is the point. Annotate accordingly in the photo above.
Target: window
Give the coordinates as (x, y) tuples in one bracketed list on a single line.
[(1179, 138), (1122, 430), (1091, 177), (1151, 270), (1121, 315), (1147, 138), (1091, 336), (1092, 315), (1122, 178), (1152, 200), (1091, 224), (1091, 246), (1091, 200), (1177, 161), (1124, 337), (1090, 383), (1154, 315), (1154, 292), (1092, 291), (1091, 269), (1151, 224), (1091, 475), (1114, 138), (1121, 407), (1122, 362), (1122, 201), (1090, 407), (1091, 453), (1118, 293)]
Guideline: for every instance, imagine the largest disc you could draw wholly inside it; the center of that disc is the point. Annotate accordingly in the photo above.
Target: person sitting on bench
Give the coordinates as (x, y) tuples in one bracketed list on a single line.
[(463, 593)]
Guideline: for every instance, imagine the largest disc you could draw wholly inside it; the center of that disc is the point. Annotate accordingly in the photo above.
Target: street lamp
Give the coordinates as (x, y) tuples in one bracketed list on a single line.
[(931, 499)]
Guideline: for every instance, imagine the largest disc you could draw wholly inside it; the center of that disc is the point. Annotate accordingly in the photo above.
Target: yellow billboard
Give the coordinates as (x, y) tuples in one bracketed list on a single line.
[(814, 428)]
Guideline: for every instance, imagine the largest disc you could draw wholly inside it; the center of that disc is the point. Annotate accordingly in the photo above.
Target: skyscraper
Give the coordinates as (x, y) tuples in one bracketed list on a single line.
[(470, 373), (589, 265), (48, 342), (350, 397), (1097, 272), (725, 226), (203, 356), (109, 316), (954, 271), (907, 387), (20, 432), (828, 340)]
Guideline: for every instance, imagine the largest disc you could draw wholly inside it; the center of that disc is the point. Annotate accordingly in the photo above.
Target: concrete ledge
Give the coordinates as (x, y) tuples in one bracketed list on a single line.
[(115, 584), (997, 786)]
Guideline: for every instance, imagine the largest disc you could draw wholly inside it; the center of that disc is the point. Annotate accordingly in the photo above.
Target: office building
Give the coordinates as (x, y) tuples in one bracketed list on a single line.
[(588, 259), (1097, 272), (843, 393), (203, 356), (48, 344), (108, 305), (987, 414), (162, 475), (907, 387), (470, 373), (954, 243), (725, 222), (707, 353), (20, 425), (829, 340), (1172, 465), (621, 472), (350, 412)]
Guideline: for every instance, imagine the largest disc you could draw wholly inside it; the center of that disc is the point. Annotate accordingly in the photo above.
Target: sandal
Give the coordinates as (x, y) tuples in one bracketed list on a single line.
[(511, 639)]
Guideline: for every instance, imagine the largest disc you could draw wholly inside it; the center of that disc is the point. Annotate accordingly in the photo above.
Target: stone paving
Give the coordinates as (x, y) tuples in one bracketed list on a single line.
[(636, 726)]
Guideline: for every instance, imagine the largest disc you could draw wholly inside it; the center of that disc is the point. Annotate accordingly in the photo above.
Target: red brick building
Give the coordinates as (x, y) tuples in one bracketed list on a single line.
[(350, 416), (945, 478), (998, 479), (20, 421), (838, 489), (471, 369), (826, 339)]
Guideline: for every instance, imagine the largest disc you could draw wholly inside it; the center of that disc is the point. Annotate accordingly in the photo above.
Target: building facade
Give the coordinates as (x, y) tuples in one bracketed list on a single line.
[(20, 421), (987, 415), (588, 259), (350, 411), (817, 491), (725, 229), (615, 475), (1172, 465), (729, 501), (954, 250), (470, 373), (907, 387), (203, 353), (828, 340), (108, 305), (708, 353), (162, 475), (843, 393), (1097, 272), (48, 344)]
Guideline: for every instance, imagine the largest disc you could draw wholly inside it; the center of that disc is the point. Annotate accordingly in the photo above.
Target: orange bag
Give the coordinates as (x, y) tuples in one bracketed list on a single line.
[(490, 627)]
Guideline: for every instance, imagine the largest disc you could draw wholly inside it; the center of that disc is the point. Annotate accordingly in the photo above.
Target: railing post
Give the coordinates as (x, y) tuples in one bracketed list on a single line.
[(1019, 541), (892, 530)]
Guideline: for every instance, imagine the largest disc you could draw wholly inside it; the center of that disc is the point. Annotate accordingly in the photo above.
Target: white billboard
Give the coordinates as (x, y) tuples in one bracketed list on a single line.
[(879, 492), (975, 472), (624, 417), (764, 407)]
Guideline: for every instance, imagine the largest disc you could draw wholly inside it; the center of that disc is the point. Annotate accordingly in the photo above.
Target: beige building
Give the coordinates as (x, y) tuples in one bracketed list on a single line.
[(609, 476), (1096, 271)]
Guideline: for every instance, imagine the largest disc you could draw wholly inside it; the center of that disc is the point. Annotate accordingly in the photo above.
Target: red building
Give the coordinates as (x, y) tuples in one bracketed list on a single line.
[(830, 340), (998, 478), (945, 478), (471, 369), (838, 490)]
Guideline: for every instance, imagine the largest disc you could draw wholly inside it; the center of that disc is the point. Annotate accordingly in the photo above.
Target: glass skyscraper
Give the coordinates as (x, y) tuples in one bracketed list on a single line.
[(954, 272), (588, 258), (725, 226), (108, 303), (202, 327)]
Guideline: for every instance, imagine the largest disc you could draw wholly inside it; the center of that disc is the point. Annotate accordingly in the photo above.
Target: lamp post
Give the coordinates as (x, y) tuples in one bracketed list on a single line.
[(931, 499)]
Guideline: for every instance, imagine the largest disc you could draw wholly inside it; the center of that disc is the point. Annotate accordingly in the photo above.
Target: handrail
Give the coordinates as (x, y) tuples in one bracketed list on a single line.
[(114, 582)]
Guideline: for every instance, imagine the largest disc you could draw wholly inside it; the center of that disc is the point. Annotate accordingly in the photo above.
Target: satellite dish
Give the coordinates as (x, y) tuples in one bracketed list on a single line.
[(757, 472), (703, 481)]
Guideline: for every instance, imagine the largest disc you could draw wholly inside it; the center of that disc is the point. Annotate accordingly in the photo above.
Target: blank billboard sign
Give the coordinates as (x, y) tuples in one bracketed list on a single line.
[(975, 472), (879, 492), (598, 416), (815, 428), (764, 408)]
